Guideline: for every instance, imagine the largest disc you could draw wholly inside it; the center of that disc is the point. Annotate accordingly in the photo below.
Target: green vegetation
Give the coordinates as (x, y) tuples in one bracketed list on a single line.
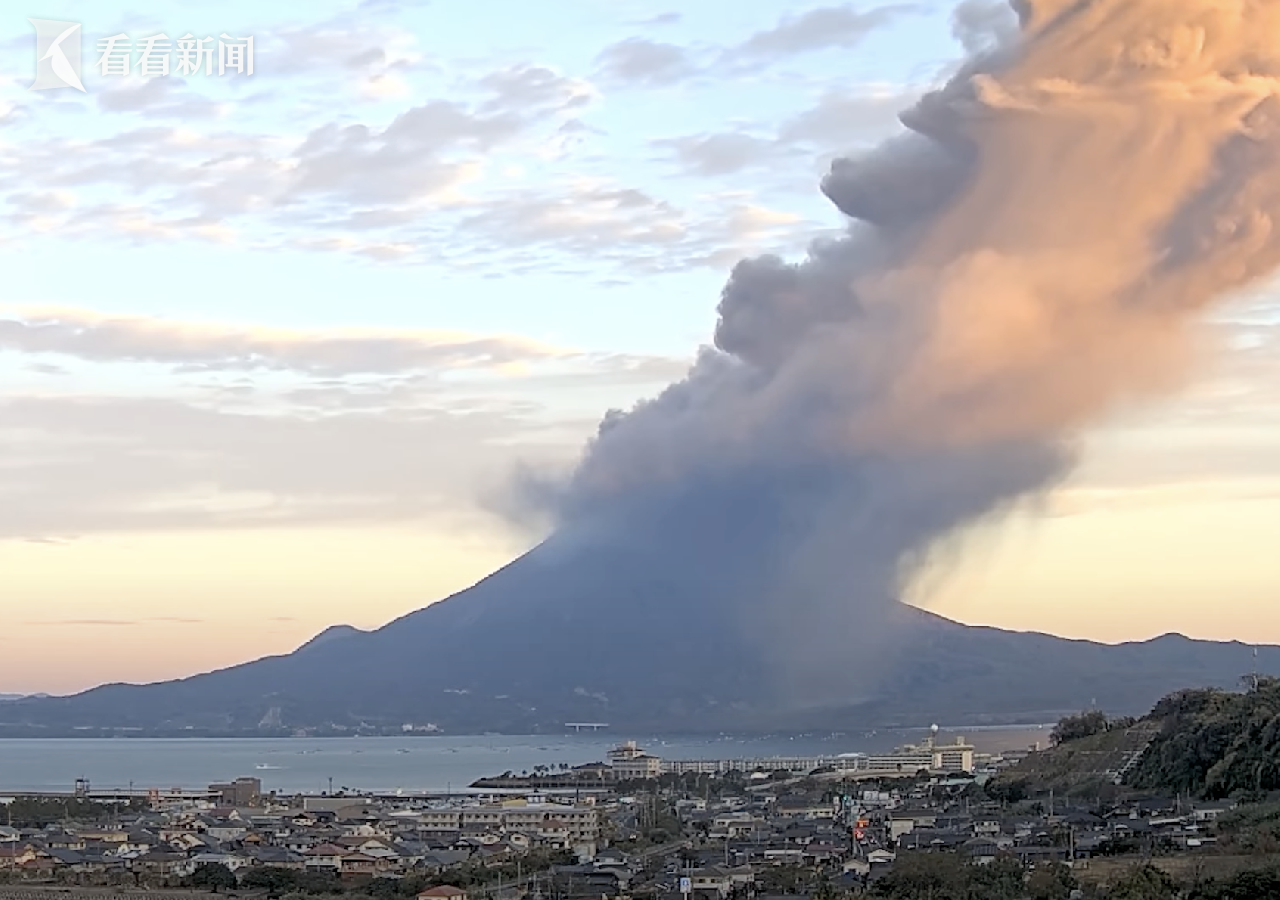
[(280, 882), (1215, 744), (1253, 829), (1144, 882), (945, 876), (1085, 763), (213, 877), (38, 812), (1260, 884), (1086, 725), (276, 881), (1206, 743)]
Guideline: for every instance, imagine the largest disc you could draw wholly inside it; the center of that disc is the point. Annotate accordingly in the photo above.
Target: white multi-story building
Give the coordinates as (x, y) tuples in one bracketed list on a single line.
[(630, 763), (957, 757), (637, 768), (579, 822)]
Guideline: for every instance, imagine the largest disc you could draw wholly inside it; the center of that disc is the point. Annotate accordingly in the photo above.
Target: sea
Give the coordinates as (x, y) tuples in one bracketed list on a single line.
[(427, 763)]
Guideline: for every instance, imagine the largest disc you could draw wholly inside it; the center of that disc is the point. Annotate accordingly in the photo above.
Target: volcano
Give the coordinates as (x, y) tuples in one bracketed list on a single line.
[(1033, 255), (601, 633)]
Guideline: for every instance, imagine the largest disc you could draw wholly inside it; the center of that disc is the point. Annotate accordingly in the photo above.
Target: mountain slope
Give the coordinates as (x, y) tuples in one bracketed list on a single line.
[(607, 634)]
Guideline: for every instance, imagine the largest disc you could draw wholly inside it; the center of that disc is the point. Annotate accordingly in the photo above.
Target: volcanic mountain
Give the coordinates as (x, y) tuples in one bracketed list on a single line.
[(1032, 255), (604, 635)]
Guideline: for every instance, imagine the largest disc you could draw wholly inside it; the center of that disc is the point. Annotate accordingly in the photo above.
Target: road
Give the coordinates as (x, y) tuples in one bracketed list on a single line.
[(663, 850)]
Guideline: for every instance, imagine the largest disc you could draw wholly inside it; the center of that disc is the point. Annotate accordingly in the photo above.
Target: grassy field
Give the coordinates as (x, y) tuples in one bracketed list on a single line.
[(1187, 868)]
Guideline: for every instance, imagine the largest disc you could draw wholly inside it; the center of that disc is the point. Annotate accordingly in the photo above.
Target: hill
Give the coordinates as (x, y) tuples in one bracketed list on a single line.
[(1210, 743), (1215, 744), (611, 635), (1091, 765)]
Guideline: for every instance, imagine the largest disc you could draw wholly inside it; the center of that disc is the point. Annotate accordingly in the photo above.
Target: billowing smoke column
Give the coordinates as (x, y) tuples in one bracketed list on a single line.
[(1032, 252)]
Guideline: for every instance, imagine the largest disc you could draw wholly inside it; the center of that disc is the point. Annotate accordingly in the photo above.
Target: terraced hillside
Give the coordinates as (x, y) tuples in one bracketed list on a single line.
[(1086, 766)]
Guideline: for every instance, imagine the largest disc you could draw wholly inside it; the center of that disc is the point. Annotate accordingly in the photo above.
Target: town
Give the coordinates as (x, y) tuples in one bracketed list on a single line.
[(635, 825)]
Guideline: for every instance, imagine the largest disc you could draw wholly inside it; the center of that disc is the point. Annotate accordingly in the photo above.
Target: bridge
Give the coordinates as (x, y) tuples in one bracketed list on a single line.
[(586, 726)]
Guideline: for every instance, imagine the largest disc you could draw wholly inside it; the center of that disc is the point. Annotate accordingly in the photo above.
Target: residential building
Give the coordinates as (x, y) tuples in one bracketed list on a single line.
[(443, 892), (243, 792)]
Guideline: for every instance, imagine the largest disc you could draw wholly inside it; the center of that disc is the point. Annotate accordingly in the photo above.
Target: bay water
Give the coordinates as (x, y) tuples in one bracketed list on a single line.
[(409, 763)]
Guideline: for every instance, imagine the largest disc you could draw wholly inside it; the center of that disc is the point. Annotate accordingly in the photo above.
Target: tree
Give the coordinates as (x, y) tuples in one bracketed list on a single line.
[(1215, 743), (1006, 790), (1144, 882), (1078, 727), (1053, 881), (274, 880), (1002, 879), (1261, 884), (925, 876), (213, 877), (825, 890)]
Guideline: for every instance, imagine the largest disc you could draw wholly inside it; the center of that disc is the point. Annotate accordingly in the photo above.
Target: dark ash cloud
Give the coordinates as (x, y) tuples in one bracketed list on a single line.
[(1032, 255)]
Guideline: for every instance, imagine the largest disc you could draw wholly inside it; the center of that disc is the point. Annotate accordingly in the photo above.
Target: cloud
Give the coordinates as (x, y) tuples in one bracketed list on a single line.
[(115, 623), (839, 121), (160, 98), (607, 223), (1079, 501), (198, 346), (351, 426), (822, 28), (645, 62), (710, 155), (666, 18), (937, 364), (178, 465), (343, 45), (401, 163), (394, 193), (420, 155), (981, 25), (850, 116), (527, 86)]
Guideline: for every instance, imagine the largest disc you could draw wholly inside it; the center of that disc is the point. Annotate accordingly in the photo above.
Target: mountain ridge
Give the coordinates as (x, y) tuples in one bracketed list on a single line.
[(605, 635)]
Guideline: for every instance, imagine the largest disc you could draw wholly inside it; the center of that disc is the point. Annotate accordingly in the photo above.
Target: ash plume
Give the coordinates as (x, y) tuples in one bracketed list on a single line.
[(1034, 251)]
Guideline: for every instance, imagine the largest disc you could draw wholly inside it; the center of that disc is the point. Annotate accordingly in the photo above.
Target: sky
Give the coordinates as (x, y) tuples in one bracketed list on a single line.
[(271, 344)]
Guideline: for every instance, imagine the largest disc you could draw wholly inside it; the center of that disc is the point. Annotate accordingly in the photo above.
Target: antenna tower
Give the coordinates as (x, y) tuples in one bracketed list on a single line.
[(1251, 680)]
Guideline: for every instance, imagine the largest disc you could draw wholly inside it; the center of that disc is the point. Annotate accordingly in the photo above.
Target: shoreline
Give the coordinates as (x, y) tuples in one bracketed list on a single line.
[(24, 734)]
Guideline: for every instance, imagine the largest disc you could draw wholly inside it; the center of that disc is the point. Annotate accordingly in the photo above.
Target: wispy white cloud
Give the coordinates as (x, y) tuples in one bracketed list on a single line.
[(841, 27), (644, 62), (261, 426), (95, 337), (840, 120)]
